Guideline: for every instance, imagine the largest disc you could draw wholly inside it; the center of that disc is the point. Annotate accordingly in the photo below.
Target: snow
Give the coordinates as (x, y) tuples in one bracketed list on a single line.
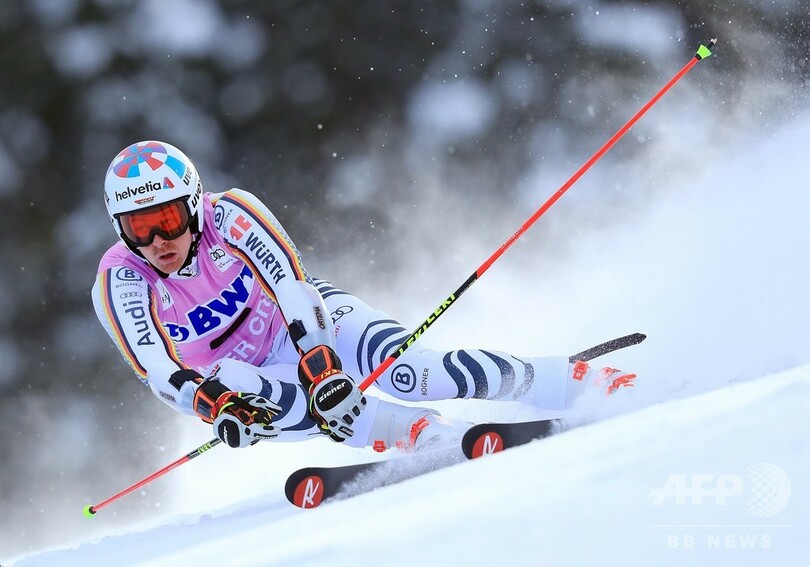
[(159, 26), (599, 494), (703, 463), (81, 52), (632, 26), (444, 112)]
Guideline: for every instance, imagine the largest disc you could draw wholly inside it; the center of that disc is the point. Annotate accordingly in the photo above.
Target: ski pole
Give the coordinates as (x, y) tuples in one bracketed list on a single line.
[(703, 52), (91, 509)]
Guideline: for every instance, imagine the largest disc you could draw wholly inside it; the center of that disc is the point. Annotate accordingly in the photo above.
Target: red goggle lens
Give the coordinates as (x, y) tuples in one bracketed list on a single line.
[(169, 220)]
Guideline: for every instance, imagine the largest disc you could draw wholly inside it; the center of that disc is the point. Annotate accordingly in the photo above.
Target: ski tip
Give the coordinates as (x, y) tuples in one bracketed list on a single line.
[(490, 438), (307, 493), (608, 346), (626, 341), (488, 443), (89, 511)]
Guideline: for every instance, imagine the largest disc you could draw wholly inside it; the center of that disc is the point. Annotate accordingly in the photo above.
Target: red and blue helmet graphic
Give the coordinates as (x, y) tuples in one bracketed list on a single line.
[(139, 158)]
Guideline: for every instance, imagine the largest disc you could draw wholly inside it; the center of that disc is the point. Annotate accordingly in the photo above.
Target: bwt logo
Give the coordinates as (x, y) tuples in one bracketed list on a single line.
[(766, 487), (217, 312)]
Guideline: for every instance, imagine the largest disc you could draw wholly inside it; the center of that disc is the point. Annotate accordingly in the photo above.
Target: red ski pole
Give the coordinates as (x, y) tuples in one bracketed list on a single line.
[(91, 509), (702, 53)]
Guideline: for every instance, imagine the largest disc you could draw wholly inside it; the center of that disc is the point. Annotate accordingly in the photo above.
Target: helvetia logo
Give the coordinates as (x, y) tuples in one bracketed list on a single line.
[(147, 187)]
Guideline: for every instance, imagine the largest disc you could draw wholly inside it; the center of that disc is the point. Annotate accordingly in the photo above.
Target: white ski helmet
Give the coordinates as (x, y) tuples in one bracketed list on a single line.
[(153, 182)]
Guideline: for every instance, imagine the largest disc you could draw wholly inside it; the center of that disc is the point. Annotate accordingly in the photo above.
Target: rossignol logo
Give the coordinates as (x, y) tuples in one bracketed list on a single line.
[(147, 187), (309, 492), (487, 444)]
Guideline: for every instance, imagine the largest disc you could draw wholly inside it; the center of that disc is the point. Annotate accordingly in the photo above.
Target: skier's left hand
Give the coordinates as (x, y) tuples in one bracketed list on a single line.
[(335, 401)]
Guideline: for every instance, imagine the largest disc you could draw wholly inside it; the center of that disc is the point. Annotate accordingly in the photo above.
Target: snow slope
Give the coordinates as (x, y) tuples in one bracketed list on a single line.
[(728, 468)]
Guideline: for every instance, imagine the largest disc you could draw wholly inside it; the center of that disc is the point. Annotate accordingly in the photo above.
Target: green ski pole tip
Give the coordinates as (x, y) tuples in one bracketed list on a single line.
[(705, 51), (88, 511)]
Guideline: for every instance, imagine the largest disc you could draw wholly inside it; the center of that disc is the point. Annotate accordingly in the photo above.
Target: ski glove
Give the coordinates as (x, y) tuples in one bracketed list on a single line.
[(239, 419), (335, 401)]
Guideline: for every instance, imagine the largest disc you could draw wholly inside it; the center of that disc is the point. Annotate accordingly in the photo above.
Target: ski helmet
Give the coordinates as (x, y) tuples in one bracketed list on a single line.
[(152, 188)]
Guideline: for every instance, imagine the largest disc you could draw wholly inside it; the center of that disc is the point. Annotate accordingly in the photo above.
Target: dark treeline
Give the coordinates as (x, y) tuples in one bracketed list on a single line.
[(336, 113)]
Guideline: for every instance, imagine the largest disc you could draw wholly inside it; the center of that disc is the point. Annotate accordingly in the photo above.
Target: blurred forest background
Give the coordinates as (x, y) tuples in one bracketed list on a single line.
[(362, 124)]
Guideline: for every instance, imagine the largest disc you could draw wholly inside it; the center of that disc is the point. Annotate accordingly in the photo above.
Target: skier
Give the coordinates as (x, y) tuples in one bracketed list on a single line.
[(207, 299)]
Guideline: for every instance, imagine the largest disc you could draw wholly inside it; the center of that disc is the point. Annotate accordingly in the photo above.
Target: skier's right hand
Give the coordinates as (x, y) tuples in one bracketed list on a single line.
[(335, 401), (239, 419)]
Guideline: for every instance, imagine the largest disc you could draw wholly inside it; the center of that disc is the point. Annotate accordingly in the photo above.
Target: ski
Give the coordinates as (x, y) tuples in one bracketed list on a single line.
[(489, 438), (608, 346), (310, 486)]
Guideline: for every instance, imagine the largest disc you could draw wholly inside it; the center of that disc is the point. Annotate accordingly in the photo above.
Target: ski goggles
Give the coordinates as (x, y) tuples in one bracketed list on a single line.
[(169, 220)]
